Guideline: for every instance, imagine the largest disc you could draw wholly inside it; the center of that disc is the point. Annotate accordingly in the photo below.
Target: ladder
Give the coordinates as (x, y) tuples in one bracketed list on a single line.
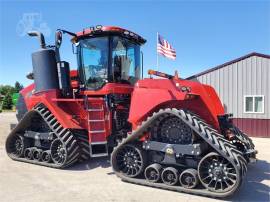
[(95, 107)]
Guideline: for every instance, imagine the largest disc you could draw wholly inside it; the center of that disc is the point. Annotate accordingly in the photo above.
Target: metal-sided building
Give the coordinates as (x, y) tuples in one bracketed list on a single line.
[(243, 86)]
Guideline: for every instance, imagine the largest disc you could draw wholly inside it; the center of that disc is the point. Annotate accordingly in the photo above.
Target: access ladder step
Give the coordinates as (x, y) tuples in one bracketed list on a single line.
[(99, 155), (95, 110), (97, 131), (99, 149), (96, 120), (95, 98)]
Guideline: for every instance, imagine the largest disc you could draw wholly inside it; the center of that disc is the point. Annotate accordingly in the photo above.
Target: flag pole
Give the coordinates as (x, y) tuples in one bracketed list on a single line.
[(157, 52)]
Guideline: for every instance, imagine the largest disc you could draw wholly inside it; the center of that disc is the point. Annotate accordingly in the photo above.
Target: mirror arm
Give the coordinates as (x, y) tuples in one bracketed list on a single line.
[(67, 32), (142, 63)]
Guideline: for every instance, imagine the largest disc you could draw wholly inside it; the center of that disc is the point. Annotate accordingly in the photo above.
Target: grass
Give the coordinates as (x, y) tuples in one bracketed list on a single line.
[(8, 110)]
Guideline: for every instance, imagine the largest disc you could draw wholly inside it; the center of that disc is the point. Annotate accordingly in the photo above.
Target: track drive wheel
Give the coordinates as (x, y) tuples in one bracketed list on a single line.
[(217, 174), (172, 130), (130, 160)]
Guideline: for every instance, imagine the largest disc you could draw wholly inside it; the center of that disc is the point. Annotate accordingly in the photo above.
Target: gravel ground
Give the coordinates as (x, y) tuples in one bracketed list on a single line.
[(95, 181)]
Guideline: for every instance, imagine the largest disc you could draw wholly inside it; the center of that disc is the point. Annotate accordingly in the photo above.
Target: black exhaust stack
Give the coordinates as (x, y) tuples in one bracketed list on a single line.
[(49, 71), (44, 66), (40, 37)]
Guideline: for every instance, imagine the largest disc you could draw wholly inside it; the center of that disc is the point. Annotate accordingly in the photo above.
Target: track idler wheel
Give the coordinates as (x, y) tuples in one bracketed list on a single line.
[(169, 176), (28, 153), (16, 145), (46, 156), (58, 152), (189, 178), (37, 154), (217, 174), (152, 173), (130, 160)]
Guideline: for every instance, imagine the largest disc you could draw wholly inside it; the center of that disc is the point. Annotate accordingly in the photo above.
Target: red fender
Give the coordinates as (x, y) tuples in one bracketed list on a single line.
[(149, 95)]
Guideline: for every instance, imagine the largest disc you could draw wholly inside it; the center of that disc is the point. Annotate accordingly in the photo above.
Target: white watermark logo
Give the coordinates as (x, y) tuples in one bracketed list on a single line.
[(32, 21)]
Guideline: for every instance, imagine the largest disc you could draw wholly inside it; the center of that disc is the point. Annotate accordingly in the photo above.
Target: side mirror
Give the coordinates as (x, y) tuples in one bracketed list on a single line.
[(58, 39), (30, 76)]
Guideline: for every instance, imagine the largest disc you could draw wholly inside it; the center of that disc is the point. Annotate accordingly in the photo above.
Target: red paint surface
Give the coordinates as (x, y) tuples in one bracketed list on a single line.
[(149, 95), (254, 127)]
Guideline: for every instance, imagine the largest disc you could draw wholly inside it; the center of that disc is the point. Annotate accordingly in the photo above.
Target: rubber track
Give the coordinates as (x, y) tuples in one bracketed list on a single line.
[(84, 145), (62, 133), (244, 138), (210, 135)]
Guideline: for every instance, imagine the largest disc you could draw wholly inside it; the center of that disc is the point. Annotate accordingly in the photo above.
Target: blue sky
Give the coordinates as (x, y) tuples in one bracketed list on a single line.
[(204, 33)]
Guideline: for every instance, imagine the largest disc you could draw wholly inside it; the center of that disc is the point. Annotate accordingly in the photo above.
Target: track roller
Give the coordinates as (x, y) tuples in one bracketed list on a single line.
[(169, 176), (46, 156), (189, 178), (28, 153), (152, 173), (37, 154)]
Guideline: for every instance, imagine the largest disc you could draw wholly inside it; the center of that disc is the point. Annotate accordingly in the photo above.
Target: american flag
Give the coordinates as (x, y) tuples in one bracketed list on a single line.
[(165, 49)]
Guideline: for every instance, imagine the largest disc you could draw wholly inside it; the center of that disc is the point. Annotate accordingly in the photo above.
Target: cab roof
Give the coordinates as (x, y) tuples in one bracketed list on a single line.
[(100, 30)]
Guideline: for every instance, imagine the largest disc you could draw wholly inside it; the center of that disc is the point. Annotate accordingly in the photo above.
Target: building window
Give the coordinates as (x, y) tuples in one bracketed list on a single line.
[(254, 104)]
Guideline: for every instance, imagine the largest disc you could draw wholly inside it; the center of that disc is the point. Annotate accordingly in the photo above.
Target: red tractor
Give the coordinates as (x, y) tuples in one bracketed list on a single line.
[(167, 133)]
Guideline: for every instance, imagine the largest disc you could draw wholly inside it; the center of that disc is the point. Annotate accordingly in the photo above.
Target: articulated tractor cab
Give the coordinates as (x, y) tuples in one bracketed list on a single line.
[(164, 132)]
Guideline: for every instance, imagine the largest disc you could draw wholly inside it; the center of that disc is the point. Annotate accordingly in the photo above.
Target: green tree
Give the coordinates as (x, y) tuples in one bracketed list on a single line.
[(5, 89), (7, 101), (18, 87)]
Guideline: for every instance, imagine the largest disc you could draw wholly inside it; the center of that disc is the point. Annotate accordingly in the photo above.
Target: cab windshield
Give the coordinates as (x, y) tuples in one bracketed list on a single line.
[(94, 61), (108, 59), (125, 60)]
